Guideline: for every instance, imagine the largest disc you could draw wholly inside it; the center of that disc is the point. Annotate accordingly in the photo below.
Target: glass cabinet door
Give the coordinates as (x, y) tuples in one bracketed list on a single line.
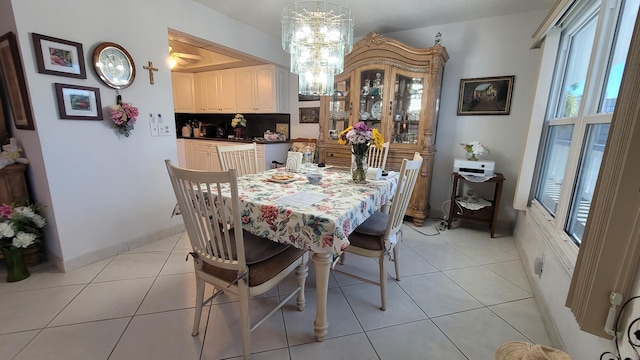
[(407, 108), (339, 108), (370, 103)]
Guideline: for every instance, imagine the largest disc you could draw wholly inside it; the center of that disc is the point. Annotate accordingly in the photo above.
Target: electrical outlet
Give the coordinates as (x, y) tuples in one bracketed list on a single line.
[(153, 124), (538, 264)]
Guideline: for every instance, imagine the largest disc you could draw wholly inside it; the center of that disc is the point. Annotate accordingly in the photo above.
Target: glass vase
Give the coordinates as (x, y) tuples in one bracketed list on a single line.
[(471, 156), (359, 169), (16, 267)]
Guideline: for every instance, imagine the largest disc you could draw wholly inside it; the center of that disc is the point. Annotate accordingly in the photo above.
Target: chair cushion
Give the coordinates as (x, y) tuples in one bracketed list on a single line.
[(260, 272), (369, 234), (376, 224), (256, 248)]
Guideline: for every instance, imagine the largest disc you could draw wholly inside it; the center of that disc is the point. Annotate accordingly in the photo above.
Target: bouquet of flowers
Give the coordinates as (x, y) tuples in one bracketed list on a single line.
[(124, 115), (360, 137), (20, 226), (239, 120), (474, 149)]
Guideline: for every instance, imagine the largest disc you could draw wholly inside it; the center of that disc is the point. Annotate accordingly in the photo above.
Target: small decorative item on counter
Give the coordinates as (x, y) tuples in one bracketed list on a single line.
[(186, 131), (474, 149), (239, 123), (11, 154), (123, 115), (360, 137), (19, 228)]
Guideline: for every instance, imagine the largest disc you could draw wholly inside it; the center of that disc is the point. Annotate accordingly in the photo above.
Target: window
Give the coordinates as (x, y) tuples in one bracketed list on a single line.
[(594, 43)]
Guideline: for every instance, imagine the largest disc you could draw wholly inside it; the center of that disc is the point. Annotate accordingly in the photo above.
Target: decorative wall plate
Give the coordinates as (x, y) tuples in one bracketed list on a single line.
[(376, 110)]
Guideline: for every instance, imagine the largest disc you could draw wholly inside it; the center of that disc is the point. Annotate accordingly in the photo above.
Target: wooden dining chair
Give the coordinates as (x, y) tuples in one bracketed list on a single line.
[(377, 158), (381, 232), (225, 256), (243, 158)]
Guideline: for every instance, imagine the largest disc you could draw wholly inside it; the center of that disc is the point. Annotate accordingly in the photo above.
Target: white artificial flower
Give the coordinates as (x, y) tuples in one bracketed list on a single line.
[(22, 239), (477, 149), (6, 229)]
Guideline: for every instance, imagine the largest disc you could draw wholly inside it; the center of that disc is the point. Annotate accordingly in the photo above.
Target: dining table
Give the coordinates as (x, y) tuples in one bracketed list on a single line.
[(316, 217)]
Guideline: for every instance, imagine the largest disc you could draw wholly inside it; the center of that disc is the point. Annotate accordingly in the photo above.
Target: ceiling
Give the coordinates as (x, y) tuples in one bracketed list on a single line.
[(382, 16)]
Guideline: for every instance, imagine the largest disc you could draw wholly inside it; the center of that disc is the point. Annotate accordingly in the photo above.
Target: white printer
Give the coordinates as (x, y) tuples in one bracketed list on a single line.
[(477, 168)]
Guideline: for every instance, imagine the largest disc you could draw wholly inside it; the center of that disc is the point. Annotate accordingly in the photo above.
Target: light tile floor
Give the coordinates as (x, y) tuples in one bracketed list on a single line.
[(461, 295)]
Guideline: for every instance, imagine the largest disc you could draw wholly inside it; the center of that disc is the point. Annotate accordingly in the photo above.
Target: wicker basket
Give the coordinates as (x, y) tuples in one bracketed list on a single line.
[(33, 254)]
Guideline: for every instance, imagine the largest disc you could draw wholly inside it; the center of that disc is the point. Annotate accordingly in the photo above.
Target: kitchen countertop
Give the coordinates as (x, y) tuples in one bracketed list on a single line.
[(235, 140)]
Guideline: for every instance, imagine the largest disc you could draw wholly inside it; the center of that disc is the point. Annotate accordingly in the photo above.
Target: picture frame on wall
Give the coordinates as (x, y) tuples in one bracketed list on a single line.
[(15, 92), (282, 128), (59, 57), (78, 102), (486, 96), (310, 115)]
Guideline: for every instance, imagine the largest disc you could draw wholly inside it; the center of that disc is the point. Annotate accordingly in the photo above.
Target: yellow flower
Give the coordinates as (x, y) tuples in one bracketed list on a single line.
[(377, 139), (342, 137)]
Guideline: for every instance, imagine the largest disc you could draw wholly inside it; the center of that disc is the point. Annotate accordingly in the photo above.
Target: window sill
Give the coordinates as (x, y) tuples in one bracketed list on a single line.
[(564, 248)]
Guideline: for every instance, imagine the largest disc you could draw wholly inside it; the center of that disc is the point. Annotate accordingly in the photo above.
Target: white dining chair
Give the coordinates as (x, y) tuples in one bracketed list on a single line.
[(227, 257), (381, 233), (243, 158), (377, 158)]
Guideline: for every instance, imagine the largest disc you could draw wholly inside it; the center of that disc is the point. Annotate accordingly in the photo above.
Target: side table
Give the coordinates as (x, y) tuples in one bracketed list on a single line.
[(486, 214)]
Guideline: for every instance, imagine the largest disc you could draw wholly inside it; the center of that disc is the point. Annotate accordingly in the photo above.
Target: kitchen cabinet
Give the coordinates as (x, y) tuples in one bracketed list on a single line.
[(216, 91), (262, 89), (394, 88), (183, 88), (203, 154)]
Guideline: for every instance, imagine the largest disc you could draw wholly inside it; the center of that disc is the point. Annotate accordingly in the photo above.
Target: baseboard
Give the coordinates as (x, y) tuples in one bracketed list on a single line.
[(101, 254), (543, 308)]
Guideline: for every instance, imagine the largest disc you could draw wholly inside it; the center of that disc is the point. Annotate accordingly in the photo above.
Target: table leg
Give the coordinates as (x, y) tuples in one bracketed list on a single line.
[(323, 265)]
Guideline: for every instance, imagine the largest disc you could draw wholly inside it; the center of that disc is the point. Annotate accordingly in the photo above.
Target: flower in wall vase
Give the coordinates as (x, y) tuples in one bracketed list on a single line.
[(16, 267)]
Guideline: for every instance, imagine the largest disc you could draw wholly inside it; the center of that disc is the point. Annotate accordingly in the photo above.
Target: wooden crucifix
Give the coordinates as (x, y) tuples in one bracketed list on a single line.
[(151, 70)]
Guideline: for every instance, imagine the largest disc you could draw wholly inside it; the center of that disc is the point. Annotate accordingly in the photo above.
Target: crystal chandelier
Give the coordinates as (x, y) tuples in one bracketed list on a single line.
[(317, 34)]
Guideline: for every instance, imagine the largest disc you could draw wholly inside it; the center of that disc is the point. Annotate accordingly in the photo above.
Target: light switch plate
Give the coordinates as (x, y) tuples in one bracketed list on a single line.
[(153, 124)]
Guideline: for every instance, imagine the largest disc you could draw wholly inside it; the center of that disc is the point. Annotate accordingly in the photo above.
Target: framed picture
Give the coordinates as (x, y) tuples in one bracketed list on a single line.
[(486, 96), (309, 115), (58, 56), (78, 102), (12, 76), (283, 129)]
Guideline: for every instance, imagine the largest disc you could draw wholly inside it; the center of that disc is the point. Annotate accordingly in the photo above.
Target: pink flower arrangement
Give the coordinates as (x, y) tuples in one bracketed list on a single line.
[(124, 115)]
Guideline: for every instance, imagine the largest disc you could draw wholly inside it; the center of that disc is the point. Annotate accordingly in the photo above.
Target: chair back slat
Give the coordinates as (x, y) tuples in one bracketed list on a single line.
[(243, 158), (377, 158), (408, 175), (207, 216)]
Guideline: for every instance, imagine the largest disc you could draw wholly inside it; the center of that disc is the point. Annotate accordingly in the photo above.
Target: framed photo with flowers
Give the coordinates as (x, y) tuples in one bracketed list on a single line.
[(486, 96), (58, 56), (78, 102)]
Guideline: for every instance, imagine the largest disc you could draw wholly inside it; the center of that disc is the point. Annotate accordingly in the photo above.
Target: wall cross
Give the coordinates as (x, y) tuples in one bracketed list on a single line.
[(151, 70)]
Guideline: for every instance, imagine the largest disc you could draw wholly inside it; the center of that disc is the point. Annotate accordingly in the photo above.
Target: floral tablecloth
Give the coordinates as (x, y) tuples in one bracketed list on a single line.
[(322, 227)]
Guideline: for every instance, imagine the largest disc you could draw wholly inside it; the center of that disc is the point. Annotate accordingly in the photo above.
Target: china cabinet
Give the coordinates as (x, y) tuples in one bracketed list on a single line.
[(394, 88)]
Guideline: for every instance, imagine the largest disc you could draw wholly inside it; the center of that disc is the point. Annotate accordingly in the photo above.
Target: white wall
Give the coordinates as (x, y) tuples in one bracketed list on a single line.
[(551, 290), (482, 48), (105, 193)]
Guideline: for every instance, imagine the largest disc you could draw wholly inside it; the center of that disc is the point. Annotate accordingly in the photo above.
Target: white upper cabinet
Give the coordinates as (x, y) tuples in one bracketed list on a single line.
[(262, 89), (217, 90), (183, 92)]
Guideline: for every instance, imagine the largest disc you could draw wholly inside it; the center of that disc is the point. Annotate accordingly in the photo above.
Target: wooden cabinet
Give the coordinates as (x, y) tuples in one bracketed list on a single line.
[(206, 156), (395, 88), (262, 89), (186, 153), (13, 186), (487, 214), (183, 92)]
